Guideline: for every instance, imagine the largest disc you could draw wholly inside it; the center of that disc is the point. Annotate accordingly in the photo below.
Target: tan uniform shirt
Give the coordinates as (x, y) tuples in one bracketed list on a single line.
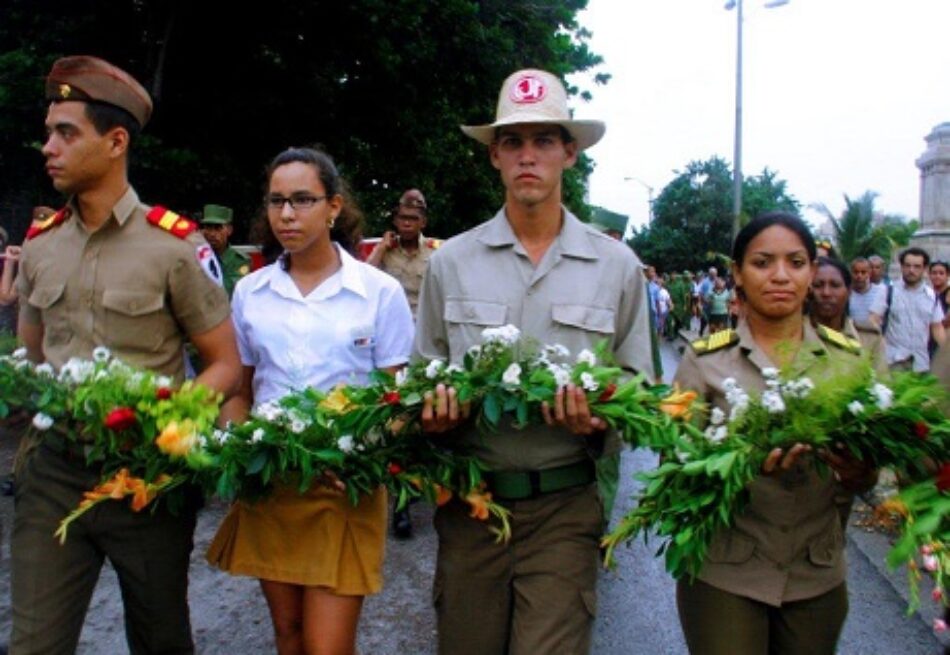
[(587, 288), (788, 544), (129, 286), (409, 268)]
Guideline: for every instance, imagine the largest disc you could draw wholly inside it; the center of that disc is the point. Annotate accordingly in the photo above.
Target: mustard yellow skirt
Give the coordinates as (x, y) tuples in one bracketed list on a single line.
[(317, 539)]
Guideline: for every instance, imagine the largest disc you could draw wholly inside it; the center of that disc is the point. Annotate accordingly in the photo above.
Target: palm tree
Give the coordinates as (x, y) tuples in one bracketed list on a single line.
[(857, 234)]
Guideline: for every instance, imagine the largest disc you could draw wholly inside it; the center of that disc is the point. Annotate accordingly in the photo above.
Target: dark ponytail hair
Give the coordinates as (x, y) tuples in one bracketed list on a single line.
[(347, 229)]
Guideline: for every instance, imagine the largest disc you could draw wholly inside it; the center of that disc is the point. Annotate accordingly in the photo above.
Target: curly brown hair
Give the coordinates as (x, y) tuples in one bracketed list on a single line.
[(347, 229)]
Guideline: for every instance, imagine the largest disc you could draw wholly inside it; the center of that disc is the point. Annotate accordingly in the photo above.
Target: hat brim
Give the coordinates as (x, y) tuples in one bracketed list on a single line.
[(585, 133)]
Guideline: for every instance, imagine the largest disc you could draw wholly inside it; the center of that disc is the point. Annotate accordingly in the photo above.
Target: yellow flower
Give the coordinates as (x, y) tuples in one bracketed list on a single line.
[(678, 403), (177, 440), (336, 401)]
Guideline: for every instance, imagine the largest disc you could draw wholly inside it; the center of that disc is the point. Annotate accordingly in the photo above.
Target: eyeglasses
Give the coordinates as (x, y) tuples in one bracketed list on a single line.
[(297, 201)]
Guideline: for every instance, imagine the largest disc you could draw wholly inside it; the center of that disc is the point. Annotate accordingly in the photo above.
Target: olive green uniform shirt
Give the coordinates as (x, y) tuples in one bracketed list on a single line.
[(788, 543), (235, 265), (410, 267), (130, 286), (587, 288)]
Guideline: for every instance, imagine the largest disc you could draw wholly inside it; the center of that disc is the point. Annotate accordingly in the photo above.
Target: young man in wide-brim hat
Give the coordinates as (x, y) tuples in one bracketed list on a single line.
[(536, 266)]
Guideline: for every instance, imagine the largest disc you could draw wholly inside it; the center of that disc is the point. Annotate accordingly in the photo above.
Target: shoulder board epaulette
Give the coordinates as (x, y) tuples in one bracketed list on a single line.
[(714, 342), (39, 227), (169, 221), (434, 244), (839, 339)]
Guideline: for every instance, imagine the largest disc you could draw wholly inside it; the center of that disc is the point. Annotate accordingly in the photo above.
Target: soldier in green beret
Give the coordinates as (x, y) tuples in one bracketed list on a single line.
[(217, 228)]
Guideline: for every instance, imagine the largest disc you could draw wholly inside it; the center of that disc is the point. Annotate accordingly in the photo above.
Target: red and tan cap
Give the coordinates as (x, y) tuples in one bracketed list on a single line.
[(90, 78), (536, 96)]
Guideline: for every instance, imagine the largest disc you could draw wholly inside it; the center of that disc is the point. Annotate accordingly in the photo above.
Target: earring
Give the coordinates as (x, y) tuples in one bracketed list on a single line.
[(331, 222)]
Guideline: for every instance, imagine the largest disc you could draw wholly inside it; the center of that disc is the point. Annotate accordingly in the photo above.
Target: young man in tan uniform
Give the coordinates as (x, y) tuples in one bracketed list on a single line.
[(538, 267), (107, 270)]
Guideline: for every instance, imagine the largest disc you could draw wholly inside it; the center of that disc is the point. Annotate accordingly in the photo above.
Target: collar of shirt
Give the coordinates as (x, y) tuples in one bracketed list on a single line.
[(573, 239), (347, 277), (811, 349), (122, 210), (421, 247)]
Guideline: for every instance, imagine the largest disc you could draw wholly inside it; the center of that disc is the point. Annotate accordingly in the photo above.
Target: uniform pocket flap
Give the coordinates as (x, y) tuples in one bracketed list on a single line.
[(592, 319), (478, 312), (730, 547), (825, 551), (46, 297), (132, 303)]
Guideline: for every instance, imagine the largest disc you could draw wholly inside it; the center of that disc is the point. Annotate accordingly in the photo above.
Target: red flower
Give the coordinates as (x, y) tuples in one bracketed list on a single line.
[(120, 418), (943, 477), (608, 393), (163, 393), (391, 398), (921, 429), (394, 469)]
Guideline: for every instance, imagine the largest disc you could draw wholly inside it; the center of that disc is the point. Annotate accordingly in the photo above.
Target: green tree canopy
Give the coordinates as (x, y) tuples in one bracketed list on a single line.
[(692, 222), (381, 84), (861, 232)]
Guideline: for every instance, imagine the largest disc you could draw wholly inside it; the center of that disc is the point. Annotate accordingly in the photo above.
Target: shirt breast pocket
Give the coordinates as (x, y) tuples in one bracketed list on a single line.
[(361, 342), (467, 318), (134, 320), (50, 301), (570, 319)]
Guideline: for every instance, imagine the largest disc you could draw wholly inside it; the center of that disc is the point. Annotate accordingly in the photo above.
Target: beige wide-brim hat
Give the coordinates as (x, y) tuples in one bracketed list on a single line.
[(536, 96)]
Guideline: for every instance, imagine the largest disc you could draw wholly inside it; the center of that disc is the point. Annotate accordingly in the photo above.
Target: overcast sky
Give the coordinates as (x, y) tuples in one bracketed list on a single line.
[(838, 95)]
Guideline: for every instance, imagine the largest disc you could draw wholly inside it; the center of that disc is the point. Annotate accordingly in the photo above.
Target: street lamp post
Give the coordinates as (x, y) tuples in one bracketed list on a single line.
[(649, 189), (737, 149)]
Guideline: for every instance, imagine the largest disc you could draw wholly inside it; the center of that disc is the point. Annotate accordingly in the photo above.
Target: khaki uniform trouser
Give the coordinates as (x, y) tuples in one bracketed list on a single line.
[(52, 584), (716, 622), (532, 596)]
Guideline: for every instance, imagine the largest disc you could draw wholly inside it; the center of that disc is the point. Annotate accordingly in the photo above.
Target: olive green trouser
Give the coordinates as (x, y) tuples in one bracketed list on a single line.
[(52, 584), (608, 481), (717, 622), (534, 595)]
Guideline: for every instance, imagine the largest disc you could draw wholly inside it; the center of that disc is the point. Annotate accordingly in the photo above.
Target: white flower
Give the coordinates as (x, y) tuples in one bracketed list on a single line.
[(475, 351), (770, 372), (883, 396), (855, 407), (717, 434), (221, 436), (45, 369), (562, 375), (118, 366), (19, 353), (930, 563), (717, 416), (134, 380), (433, 368), (42, 421), (257, 436), (799, 388), (586, 357), (374, 436), (163, 381), (101, 354), (736, 396), (101, 374), (557, 351), (772, 401), (297, 426), (588, 382), (23, 364), (345, 443), (512, 374), (729, 384), (268, 411), (737, 410), (453, 368), (506, 334), (76, 371), (401, 376)]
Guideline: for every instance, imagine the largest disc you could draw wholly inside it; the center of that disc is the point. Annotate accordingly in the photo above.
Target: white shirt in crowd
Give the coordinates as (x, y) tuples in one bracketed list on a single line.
[(912, 311), (872, 301), (356, 321), (663, 301)]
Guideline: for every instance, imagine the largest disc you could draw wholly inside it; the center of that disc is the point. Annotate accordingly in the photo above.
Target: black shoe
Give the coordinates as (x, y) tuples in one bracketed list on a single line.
[(402, 524)]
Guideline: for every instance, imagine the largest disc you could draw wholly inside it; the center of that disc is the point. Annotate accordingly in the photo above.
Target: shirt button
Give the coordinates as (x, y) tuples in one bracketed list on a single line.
[(470, 313)]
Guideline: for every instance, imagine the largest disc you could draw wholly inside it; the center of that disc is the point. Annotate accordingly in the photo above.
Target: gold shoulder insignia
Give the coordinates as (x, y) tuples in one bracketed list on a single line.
[(434, 244), (714, 342), (839, 339)]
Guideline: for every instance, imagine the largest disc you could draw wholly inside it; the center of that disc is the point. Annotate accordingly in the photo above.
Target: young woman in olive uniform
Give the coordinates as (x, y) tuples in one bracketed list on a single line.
[(775, 581)]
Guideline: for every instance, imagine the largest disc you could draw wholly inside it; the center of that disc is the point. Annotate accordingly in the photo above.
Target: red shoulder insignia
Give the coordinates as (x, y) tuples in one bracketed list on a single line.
[(39, 227), (169, 221), (434, 244)]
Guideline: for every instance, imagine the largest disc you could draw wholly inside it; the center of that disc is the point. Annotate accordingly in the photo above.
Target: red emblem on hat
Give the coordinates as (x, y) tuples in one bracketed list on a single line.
[(528, 89)]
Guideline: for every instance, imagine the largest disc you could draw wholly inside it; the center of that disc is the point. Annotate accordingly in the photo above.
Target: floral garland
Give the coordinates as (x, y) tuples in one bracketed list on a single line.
[(703, 480), (923, 511)]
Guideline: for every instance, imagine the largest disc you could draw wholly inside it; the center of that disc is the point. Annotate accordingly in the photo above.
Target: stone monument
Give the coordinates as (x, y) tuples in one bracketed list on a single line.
[(934, 232)]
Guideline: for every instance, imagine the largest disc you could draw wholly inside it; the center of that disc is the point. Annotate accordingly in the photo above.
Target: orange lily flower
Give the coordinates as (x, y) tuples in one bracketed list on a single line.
[(479, 501), (678, 403)]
